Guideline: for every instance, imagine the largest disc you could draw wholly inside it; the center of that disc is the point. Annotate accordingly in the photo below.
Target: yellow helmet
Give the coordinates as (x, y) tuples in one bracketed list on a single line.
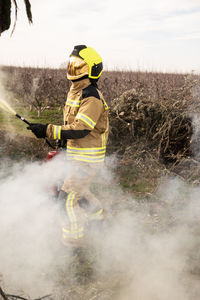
[(84, 61)]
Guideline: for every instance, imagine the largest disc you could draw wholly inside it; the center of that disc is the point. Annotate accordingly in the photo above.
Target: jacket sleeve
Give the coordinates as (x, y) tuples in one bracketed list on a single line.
[(85, 121)]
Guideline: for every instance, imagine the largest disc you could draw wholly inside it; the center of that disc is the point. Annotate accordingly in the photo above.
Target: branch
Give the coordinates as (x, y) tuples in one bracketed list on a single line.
[(3, 294), (17, 297), (7, 296)]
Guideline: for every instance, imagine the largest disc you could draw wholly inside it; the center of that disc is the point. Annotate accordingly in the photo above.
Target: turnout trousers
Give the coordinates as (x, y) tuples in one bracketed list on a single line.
[(80, 206)]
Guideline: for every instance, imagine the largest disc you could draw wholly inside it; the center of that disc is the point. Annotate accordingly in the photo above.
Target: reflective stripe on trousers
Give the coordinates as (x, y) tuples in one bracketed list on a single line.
[(73, 230), (76, 189)]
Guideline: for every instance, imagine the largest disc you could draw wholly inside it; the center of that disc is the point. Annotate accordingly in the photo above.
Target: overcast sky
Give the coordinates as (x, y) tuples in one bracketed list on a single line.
[(157, 35)]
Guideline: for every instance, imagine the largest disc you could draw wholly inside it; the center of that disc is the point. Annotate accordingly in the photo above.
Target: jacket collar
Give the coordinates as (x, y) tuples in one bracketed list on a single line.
[(80, 85)]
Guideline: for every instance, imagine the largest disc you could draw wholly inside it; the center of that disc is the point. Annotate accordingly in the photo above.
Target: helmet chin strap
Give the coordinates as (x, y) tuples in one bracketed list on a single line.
[(84, 77), (94, 82)]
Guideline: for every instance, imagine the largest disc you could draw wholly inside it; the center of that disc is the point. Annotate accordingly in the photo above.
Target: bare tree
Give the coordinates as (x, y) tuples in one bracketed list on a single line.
[(5, 13)]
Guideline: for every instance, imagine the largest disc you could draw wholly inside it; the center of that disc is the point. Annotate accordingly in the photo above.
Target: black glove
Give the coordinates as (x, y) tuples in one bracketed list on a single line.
[(38, 129)]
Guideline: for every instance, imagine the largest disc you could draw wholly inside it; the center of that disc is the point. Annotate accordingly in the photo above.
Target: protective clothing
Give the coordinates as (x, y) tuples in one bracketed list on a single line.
[(38, 129), (86, 123), (84, 61), (86, 129), (79, 205)]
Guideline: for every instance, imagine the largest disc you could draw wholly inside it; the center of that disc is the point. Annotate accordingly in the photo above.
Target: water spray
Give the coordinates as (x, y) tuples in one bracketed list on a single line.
[(6, 107)]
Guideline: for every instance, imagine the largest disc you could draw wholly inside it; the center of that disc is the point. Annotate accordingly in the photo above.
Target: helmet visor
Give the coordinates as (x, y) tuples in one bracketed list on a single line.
[(76, 66)]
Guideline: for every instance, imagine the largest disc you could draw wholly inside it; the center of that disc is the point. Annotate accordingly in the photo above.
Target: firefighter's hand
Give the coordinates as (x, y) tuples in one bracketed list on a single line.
[(38, 129)]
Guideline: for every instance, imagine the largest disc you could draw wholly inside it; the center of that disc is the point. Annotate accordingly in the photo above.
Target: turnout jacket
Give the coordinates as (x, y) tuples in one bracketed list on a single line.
[(85, 123)]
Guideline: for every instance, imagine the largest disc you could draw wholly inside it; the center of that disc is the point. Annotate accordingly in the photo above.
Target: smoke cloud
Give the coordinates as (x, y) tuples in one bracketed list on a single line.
[(154, 249), (145, 250), (29, 223)]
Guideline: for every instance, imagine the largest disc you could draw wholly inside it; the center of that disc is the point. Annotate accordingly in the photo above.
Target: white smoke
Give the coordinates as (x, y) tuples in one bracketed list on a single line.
[(146, 250), (155, 258), (29, 223)]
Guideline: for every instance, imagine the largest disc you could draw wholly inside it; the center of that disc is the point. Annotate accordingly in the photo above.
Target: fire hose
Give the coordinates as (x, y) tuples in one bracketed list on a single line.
[(6, 107)]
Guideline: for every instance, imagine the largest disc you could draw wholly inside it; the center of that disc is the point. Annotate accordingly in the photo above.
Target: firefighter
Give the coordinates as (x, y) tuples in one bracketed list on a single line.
[(86, 131)]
